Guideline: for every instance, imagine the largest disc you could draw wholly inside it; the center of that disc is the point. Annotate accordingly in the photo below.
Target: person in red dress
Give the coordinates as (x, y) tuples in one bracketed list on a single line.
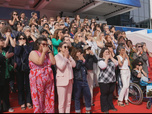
[(41, 77)]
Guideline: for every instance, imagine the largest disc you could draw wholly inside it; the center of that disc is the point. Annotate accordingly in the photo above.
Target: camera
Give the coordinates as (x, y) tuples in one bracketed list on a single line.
[(50, 47)]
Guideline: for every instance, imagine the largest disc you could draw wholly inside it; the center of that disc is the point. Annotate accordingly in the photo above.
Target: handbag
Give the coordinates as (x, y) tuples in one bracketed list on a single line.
[(24, 67)]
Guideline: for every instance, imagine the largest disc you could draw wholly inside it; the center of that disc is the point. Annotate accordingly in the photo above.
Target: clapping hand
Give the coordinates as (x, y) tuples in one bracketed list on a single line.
[(9, 55), (45, 49), (124, 56), (91, 52), (140, 68), (22, 42), (87, 52), (81, 57), (8, 34), (108, 56), (66, 54)]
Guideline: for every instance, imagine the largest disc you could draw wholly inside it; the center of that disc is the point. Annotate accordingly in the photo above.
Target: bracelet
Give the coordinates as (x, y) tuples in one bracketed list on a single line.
[(122, 62)]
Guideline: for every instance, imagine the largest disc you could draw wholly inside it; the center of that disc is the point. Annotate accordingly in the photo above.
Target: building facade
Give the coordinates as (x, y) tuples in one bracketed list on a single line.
[(140, 17)]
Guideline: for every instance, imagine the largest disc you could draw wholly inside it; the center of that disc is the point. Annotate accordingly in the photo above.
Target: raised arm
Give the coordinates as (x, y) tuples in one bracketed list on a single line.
[(12, 41), (61, 62), (56, 42), (52, 59), (11, 22), (72, 62), (36, 59), (114, 61)]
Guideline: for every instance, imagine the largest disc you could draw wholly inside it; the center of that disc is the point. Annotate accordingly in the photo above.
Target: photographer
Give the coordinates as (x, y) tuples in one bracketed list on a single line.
[(141, 55)]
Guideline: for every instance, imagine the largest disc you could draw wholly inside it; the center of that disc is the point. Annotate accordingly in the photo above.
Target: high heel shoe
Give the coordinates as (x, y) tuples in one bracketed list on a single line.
[(121, 104), (29, 106), (126, 102), (23, 107)]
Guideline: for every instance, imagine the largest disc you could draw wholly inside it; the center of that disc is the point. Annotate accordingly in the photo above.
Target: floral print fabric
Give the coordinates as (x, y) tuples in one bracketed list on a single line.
[(42, 86)]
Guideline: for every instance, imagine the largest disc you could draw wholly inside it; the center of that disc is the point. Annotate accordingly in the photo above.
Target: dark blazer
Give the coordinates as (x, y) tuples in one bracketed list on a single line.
[(80, 71), (2, 69), (90, 59), (22, 52), (79, 45)]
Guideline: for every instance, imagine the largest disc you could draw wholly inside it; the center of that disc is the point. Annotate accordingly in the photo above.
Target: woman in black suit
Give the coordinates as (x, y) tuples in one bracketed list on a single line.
[(21, 52)]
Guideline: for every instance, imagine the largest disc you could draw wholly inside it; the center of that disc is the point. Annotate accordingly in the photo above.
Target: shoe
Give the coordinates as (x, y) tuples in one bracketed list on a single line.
[(92, 104), (29, 106), (23, 107), (107, 112), (126, 102), (121, 104), (115, 97), (88, 112), (10, 110), (114, 109)]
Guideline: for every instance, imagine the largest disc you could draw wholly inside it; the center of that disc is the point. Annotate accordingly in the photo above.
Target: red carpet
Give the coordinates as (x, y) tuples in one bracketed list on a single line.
[(96, 109)]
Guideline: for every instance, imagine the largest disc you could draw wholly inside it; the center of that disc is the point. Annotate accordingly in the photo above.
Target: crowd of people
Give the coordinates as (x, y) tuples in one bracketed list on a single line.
[(51, 57)]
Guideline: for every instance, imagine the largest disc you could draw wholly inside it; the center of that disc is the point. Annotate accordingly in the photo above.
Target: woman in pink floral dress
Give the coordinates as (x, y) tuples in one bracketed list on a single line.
[(41, 77)]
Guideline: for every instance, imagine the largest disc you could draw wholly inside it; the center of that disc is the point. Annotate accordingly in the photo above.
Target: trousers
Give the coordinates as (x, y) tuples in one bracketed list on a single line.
[(125, 78)]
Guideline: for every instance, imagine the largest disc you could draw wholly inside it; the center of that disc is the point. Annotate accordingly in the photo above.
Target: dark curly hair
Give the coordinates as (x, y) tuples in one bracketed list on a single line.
[(136, 62), (6, 28), (38, 42), (22, 34), (102, 51)]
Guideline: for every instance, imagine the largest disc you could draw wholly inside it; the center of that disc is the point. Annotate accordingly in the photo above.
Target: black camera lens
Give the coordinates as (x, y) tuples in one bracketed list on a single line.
[(50, 47)]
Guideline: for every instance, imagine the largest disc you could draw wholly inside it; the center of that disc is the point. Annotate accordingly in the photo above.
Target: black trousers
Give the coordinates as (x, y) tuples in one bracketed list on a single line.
[(23, 79), (106, 98), (4, 96)]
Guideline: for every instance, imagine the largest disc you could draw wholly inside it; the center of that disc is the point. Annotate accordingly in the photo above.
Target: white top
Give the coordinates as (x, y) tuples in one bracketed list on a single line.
[(125, 64), (94, 47), (102, 65)]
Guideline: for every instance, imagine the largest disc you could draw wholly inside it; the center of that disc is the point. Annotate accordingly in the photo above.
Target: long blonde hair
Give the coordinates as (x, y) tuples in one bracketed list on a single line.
[(96, 35), (88, 34), (76, 37)]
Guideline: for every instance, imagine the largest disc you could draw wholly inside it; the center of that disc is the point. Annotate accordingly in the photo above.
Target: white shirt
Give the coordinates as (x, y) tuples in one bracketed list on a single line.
[(125, 64)]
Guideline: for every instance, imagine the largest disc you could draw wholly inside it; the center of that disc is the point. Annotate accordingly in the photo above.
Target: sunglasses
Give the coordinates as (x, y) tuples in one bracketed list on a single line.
[(28, 31), (66, 47), (139, 64), (140, 46), (15, 14), (44, 44), (2, 40), (8, 31), (22, 39), (2, 23), (89, 48), (79, 36)]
